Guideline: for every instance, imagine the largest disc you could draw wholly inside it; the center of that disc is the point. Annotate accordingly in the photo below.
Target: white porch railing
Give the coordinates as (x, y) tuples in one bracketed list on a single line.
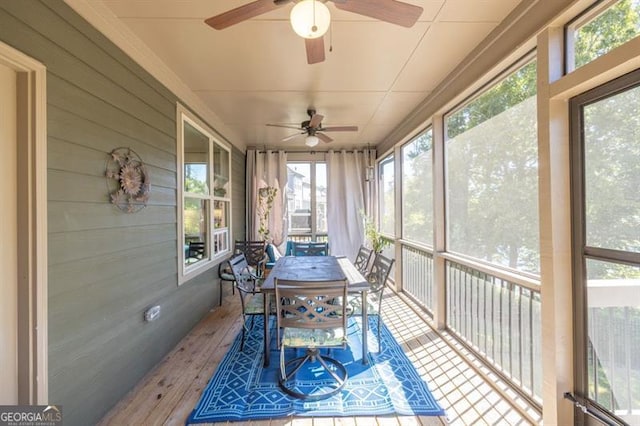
[(500, 321), (495, 317), (613, 357), (417, 276)]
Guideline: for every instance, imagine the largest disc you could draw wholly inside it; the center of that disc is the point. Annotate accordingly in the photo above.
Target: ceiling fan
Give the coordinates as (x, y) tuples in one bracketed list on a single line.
[(313, 129), (310, 18)]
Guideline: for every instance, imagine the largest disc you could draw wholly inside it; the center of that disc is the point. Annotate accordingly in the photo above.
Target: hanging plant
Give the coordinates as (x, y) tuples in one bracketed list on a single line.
[(266, 197), (127, 180)]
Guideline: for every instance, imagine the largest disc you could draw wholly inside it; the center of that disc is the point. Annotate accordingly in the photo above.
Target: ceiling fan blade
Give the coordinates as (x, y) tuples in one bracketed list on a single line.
[(295, 135), (340, 129), (285, 127), (315, 49), (392, 11), (324, 138), (315, 121), (241, 13)]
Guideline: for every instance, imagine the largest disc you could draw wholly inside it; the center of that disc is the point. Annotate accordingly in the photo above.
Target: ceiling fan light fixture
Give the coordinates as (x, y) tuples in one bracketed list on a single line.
[(311, 141), (310, 18)]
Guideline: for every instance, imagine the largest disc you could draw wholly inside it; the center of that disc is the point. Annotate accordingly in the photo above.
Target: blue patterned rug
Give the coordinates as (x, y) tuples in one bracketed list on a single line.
[(242, 389)]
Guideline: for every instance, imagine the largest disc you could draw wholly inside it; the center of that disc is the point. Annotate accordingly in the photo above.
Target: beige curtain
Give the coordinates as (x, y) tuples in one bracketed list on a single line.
[(350, 194), (267, 168)]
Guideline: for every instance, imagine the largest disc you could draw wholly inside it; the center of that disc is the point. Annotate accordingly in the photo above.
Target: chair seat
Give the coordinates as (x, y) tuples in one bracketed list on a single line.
[(227, 276), (254, 305), (354, 306), (306, 337)]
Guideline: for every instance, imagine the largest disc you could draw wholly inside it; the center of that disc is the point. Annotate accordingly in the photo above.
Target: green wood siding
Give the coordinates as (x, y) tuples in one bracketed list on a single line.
[(106, 267), (238, 199)]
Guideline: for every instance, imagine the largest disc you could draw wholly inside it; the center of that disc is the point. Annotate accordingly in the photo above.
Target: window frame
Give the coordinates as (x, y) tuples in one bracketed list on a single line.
[(381, 163), (581, 251), (187, 272)]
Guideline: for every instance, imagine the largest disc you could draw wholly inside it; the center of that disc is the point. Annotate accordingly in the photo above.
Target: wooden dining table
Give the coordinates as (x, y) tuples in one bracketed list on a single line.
[(315, 268)]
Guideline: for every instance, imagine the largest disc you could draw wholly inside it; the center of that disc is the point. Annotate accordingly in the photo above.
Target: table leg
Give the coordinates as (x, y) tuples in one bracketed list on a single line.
[(267, 308), (365, 327)]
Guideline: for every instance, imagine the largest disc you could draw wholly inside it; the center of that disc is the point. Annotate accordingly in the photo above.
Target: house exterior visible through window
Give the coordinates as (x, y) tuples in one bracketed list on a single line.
[(306, 194), (204, 199)]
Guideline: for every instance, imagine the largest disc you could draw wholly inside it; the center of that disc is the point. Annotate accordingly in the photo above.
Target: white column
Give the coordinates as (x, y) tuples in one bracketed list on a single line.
[(555, 234)]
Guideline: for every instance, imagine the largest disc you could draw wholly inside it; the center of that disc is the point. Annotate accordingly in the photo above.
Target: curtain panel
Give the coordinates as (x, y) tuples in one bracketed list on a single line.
[(264, 169), (350, 194)]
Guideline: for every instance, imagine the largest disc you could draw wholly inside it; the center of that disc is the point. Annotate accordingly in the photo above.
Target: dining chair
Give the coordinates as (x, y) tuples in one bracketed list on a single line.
[(310, 248), (248, 285), (196, 250), (312, 316), (255, 256), (363, 259), (377, 278), (254, 252)]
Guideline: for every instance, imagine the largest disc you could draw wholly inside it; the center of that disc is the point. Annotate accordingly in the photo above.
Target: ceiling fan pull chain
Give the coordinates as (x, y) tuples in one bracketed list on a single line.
[(314, 28), (331, 37)]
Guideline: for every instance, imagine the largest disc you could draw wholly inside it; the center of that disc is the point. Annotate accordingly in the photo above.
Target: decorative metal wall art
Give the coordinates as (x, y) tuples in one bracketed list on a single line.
[(127, 180)]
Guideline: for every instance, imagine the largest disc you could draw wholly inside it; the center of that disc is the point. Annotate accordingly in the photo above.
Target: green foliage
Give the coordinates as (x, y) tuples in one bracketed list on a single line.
[(509, 92), (617, 25), (377, 241), (492, 174), (193, 216), (192, 183), (417, 190), (266, 197), (612, 180)]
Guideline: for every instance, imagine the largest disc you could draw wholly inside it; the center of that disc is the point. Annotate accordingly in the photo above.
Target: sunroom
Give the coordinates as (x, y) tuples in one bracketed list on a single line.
[(507, 193)]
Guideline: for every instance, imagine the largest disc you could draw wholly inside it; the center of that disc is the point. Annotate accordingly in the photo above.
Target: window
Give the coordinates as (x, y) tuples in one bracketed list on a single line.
[(492, 174), (606, 166), (386, 197), (307, 200), (417, 189), (203, 197), (601, 29)]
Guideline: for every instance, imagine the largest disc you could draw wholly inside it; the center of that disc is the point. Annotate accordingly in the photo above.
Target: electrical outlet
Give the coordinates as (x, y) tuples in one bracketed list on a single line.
[(152, 313)]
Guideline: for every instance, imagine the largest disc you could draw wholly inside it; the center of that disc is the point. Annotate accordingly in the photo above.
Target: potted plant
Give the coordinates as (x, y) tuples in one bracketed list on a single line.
[(376, 239)]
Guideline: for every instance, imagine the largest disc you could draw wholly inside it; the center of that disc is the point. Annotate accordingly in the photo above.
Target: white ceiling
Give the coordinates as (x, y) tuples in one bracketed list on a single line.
[(256, 72)]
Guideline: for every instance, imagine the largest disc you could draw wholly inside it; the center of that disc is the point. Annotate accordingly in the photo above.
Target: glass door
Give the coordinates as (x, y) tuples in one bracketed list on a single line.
[(606, 188)]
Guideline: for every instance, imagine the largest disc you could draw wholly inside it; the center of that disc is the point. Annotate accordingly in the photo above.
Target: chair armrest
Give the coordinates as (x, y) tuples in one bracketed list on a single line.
[(262, 264)]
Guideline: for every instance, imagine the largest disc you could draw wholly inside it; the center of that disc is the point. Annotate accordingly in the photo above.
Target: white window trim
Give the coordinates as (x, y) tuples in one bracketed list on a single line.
[(186, 273)]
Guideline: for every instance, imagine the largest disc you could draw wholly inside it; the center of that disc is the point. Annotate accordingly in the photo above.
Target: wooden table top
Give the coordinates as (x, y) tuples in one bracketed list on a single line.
[(315, 268)]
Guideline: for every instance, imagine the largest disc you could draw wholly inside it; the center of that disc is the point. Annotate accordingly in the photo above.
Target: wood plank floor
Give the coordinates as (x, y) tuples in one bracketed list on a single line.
[(168, 393)]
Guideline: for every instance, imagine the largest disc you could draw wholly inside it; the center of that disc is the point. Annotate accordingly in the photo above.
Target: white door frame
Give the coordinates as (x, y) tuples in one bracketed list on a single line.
[(32, 225)]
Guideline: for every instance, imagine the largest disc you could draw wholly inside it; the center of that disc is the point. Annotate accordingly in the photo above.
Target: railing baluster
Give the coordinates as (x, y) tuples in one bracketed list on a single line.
[(531, 369), (627, 358), (490, 314), (520, 333)]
